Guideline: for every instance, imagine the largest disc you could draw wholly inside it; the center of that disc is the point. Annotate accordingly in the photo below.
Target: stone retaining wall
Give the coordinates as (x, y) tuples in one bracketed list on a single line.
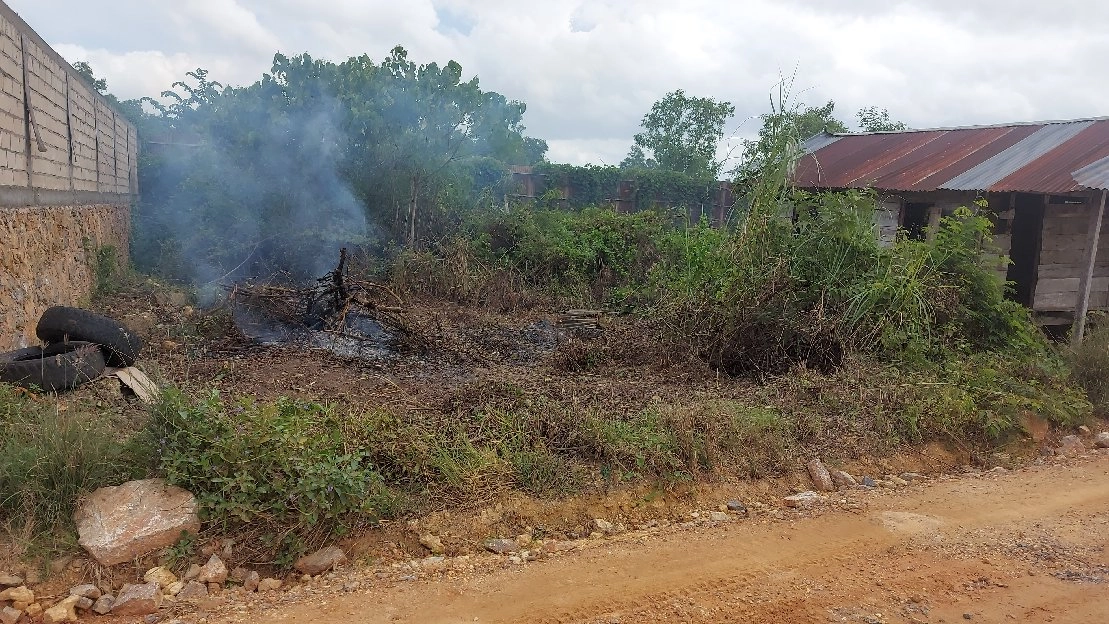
[(48, 257)]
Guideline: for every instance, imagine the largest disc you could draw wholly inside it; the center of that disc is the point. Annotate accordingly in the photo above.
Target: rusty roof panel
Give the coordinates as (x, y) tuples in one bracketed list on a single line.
[(981, 146), (1040, 142), (1034, 157), (1054, 172)]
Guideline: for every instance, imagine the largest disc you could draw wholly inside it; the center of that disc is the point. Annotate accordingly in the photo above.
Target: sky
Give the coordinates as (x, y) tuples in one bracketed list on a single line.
[(589, 70)]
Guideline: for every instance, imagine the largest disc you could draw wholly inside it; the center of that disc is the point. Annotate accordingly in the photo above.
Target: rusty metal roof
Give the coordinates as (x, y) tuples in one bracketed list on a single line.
[(1043, 157)]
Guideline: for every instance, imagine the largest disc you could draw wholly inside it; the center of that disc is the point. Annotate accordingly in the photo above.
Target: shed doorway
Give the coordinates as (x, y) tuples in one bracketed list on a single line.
[(1028, 227)]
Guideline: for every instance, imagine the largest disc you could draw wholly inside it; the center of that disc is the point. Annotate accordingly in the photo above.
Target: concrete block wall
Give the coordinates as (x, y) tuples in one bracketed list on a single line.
[(13, 138), (68, 177)]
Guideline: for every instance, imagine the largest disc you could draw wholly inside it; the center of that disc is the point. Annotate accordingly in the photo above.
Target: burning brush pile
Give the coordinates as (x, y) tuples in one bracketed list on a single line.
[(351, 318)]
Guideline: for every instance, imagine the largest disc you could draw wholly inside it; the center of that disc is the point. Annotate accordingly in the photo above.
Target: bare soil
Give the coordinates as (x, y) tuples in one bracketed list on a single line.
[(1025, 546)]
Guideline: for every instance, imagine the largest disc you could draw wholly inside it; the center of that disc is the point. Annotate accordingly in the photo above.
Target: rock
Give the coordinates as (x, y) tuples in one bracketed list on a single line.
[(1102, 440), (153, 618), (737, 506), (320, 561), (913, 476), (83, 603), (432, 543), (192, 591), (604, 526), (64, 611), (501, 546), (1071, 445), (269, 584), (10, 580), (34, 610), (103, 604), (57, 614), (174, 588), (896, 480), (821, 479), (18, 594), (524, 540), (843, 479), (212, 572), (141, 599), (719, 516), (803, 500), (1083, 430), (120, 523), (191, 573), (9, 615), (868, 482), (250, 583), (160, 575), (999, 470), (88, 590)]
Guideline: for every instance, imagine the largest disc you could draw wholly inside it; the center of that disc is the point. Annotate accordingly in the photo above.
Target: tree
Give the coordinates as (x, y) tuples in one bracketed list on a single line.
[(84, 70), (248, 181), (680, 133), (871, 119), (783, 132)]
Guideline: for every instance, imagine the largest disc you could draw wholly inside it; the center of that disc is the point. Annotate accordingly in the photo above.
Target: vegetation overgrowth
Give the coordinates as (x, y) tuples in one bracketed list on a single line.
[(829, 342)]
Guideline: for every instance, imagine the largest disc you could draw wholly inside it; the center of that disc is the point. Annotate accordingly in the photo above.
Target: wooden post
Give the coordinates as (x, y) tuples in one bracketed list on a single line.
[(69, 128), (1093, 235), (26, 110), (934, 216)]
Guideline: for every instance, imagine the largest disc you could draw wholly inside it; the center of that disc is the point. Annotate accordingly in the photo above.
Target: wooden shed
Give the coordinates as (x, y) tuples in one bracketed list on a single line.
[(1045, 184)]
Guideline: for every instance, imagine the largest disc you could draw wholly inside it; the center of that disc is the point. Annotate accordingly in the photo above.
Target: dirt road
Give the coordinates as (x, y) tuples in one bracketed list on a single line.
[(1025, 546)]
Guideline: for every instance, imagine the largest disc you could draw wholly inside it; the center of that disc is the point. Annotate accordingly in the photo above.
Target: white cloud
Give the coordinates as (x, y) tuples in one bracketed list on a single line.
[(589, 69)]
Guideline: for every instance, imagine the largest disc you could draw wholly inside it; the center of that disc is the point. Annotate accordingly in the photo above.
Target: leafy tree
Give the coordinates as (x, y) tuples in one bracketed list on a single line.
[(84, 70), (873, 119), (681, 133), (783, 131), (263, 178)]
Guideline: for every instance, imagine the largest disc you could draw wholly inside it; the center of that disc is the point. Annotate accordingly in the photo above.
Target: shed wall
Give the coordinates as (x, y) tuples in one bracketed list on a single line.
[(1063, 256)]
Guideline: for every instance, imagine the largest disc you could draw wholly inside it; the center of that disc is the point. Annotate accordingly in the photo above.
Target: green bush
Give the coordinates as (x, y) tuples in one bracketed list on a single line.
[(284, 463)]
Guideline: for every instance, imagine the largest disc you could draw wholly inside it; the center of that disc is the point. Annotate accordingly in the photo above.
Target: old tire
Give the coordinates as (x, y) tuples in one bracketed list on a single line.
[(61, 323), (54, 368)]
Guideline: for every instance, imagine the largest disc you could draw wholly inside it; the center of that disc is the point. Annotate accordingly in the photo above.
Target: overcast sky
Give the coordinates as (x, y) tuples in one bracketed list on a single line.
[(589, 69)]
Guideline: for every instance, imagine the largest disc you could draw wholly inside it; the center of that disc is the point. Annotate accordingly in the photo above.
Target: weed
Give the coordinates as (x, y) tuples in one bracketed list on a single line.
[(1089, 366), (50, 457)]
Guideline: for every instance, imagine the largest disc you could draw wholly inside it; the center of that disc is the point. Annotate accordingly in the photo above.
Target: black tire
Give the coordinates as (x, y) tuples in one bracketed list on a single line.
[(54, 368), (61, 323)]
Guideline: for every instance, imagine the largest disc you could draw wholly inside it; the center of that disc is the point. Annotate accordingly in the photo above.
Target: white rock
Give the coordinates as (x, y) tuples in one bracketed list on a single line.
[(119, 523), (803, 500)]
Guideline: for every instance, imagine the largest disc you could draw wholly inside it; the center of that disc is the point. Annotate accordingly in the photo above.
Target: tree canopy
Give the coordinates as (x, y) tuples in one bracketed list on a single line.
[(873, 119), (317, 153), (681, 133)]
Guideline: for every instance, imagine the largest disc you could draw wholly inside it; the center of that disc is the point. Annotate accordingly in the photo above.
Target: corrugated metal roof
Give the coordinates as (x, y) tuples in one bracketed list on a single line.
[(1045, 157)]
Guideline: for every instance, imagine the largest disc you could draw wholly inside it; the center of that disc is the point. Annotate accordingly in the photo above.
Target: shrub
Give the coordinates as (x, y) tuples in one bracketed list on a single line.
[(284, 464)]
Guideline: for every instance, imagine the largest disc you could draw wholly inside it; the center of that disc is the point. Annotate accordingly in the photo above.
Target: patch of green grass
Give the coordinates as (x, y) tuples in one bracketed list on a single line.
[(50, 456)]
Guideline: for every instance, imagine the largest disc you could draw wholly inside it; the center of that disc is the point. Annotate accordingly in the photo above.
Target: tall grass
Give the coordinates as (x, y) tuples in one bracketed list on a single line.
[(49, 457)]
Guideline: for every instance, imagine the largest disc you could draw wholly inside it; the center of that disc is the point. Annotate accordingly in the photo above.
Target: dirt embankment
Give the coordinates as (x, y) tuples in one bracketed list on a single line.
[(1024, 546)]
